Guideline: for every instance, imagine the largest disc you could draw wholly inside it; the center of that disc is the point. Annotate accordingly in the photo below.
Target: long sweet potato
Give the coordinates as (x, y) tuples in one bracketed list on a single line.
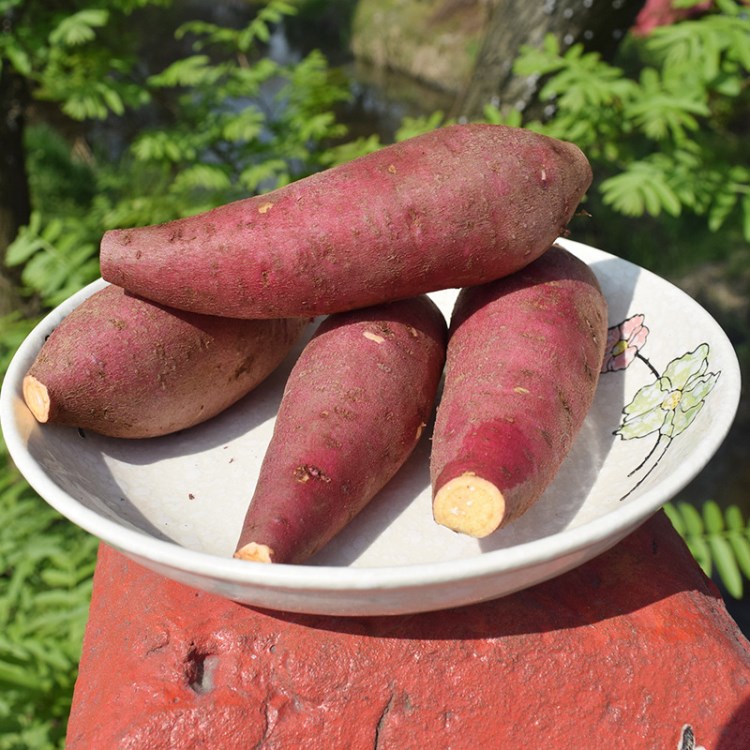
[(126, 367), (454, 207), (523, 362), (354, 407)]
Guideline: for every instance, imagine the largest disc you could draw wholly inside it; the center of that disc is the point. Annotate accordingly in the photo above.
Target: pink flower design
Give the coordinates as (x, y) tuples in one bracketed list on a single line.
[(623, 342)]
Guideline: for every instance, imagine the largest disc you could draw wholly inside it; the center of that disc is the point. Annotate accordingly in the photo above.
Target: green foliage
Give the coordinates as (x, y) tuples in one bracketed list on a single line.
[(642, 188), (718, 538), (80, 58), (46, 565), (14, 328), (230, 123), (667, 135), (78, 28), (57, 258), (413, 126), (57, 250), (243, 127), (239, 123), (258, 30)]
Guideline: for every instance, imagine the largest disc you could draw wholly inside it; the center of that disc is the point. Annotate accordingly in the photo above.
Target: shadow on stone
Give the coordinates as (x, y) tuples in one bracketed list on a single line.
[(650, 565)]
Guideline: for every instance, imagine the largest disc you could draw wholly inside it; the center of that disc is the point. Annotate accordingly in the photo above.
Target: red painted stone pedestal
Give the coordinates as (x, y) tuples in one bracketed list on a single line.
[(622, 652)]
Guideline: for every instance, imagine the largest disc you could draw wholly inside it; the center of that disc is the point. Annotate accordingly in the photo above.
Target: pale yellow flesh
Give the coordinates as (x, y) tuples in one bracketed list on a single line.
[(36, 396), (469, 505), (255, 553)]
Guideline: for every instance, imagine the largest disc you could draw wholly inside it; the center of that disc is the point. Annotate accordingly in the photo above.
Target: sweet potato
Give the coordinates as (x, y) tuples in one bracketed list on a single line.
[(353, 410), (126, 367), (523, 362), (457, 206)]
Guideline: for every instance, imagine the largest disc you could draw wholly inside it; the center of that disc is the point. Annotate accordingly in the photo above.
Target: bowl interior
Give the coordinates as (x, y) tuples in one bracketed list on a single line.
[(662, 408)]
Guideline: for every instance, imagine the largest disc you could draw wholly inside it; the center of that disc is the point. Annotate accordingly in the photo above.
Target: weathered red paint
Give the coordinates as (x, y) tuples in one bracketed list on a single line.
[(621, 652)]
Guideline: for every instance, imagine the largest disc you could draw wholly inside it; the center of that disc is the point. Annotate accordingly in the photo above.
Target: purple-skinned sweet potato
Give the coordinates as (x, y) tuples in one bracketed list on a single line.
[(522, 366), (353, 410), (454, 207), (127, 367)]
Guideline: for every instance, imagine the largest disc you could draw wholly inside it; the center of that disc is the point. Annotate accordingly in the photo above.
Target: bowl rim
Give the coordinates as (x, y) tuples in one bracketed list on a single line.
[(330, 578)]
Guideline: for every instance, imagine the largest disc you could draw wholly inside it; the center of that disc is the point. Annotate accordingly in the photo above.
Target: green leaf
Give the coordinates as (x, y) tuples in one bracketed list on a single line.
[(493, 115), (692, 519), (726, 565), (12, 675), (413, 126), (686, 3), (244, 126), (741, 547), (79, 27), (734, 519), (729, 7), (551, 45), (265, 176), (196, 70), (85, 105), (665, 106), (724, 201), (257, 30), (201, 176), (666, 198), (713, 517), (112, 99), (23, 247), (162, 146), (19, 59), (641, 188), (317, 126), (728, 84), (349, 150), (211, 33), (705, 47), (701, 551), (718, 538), (674, 515)]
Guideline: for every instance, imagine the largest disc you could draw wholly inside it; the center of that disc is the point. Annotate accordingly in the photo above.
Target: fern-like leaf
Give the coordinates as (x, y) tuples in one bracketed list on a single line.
[(641, 188), (666, 108), (718, 538), (201, 177), (79, 27)]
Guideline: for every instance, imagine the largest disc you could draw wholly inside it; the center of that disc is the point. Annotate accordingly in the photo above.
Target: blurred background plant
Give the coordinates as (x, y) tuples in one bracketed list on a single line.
[(129, 112)]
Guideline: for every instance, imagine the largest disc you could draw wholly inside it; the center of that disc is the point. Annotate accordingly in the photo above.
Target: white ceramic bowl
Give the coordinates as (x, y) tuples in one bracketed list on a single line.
[(176, 504)]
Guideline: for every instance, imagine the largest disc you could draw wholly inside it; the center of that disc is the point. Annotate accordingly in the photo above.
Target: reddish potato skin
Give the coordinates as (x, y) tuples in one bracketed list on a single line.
[(127, 367), (458, 206), (523, 363), (353, 410)]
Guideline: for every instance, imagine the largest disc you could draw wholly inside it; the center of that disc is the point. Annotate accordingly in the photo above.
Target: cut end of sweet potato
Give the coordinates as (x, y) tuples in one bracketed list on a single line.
[(255, 553), (36, 396), (469, 505)]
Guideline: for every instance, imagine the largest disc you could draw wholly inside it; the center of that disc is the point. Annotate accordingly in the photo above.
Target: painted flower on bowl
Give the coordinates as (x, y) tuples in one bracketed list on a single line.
[(623, 342), (671, 403)]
